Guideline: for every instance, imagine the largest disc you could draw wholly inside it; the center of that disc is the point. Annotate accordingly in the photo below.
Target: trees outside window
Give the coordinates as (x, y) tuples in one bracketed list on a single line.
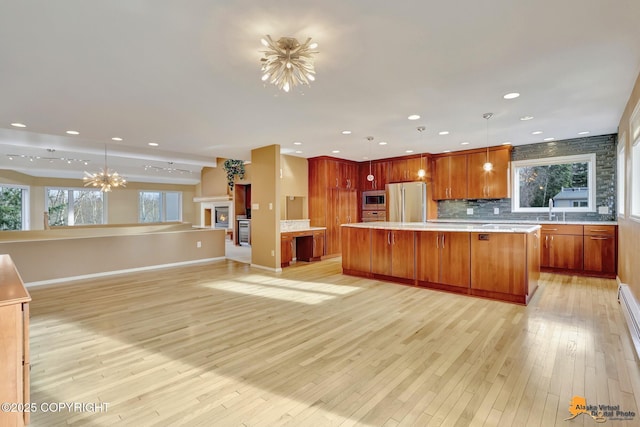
[(69, 206), (13, 207)]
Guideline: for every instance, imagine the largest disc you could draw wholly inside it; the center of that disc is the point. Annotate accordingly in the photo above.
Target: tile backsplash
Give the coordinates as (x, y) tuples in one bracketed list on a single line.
[(603, 146)]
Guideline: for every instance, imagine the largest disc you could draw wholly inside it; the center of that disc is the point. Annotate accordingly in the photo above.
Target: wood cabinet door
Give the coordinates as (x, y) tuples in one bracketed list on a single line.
[(565, 251), (286, 250), (533, 261), (545, 259), (333, 221), (318, 244), (381, 175), (403, 254), (398, 171), (428, 256), (381, 252), (441, 178), (458, 177), (455, 254), (356, 254), (477, 176), (498, 262), (363, 170), (414, 165), (334, 173), (497, 180), (600, 254)]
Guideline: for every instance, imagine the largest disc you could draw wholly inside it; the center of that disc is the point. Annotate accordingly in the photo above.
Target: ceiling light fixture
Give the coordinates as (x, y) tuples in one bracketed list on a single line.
[(346, 132), (73, 132), (444, 132), (464, 143), (116, 138), (525, 118), (297, 143), (382, 143), (105, 179), (549, 139), (511, 95), (421, 172), (153, 144), (370, 177), (583, 132), (335, 151), (488, 166), (19, 125), (413, 117), (288, 63), (536, 132)]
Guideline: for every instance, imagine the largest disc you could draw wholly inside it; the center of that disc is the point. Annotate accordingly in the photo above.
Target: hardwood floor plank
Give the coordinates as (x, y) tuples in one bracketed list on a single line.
[(224, 344)]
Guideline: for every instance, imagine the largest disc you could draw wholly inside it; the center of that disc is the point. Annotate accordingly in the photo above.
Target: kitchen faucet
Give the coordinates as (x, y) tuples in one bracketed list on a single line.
[(551, 214)]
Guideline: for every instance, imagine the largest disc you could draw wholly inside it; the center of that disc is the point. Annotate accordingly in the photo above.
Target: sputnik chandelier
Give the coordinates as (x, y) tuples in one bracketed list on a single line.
[(106, 179), (287, 63)]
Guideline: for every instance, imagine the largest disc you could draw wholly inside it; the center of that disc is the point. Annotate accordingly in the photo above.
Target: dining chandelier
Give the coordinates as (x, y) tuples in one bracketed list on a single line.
[(287, 63), (106, 179)]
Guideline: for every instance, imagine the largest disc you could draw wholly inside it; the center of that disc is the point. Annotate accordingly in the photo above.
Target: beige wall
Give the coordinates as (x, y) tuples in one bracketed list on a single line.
[(54, 259), (122, 204), (213, 181), (629, 229), (294, 182), (265, 222)]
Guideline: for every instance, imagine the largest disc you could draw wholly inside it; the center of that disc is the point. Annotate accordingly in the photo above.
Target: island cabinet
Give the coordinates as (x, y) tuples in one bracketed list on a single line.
[(450, 177), (493, 184), (380, 172), (561, 246), (333, 198), (443, 259), (393, 253), (356, 257), (14, 343), (600, 249), (505, 266), (286, 249)]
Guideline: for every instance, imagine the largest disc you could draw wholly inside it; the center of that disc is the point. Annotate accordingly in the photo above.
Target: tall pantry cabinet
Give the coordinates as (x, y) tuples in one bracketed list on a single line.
[(333, 197)]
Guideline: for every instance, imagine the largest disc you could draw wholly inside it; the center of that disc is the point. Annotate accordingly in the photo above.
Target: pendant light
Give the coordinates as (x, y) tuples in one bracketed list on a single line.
[(421, 172), (370, 177), (488, 166)]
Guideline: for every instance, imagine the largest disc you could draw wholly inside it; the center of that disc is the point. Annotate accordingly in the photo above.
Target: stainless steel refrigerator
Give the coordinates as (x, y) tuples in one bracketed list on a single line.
[(407, 202)]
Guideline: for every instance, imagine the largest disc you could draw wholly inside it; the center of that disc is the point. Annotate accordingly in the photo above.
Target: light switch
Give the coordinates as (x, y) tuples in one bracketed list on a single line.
[(496, 211), (469, 211), (255, 206), (270, 206)]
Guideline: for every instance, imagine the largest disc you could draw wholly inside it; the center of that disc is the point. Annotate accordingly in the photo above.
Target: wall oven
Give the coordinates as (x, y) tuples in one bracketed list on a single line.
[(374, 200)]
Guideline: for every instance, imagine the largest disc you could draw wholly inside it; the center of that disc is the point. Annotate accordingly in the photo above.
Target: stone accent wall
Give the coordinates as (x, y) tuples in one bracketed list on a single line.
[(604, 146)]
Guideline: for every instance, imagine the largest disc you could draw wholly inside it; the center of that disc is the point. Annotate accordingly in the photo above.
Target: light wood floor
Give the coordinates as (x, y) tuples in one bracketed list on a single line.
[(225, 345)]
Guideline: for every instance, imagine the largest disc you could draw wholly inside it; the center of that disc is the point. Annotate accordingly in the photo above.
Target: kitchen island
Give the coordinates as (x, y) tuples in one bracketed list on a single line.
[(496, 261)]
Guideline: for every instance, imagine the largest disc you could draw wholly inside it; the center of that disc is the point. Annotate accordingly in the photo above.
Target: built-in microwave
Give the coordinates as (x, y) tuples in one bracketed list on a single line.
[(373, 200)]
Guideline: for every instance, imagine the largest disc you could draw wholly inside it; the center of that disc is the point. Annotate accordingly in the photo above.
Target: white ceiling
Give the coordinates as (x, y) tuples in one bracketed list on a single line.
[(186, 75)]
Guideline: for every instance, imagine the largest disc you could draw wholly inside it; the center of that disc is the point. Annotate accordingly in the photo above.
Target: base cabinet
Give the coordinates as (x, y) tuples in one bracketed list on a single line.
[(286, 250), (443, 258), (392, 253), (356, 255), (14, 343), (600, 249), (497, 263)]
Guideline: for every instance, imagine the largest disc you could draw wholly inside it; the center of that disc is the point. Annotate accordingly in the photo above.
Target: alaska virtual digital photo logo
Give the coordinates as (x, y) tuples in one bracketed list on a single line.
[(599, 413)]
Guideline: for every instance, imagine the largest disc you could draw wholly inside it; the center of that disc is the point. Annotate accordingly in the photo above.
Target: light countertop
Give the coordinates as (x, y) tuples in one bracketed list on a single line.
[(298, 230), (520, 221), (449, 226)]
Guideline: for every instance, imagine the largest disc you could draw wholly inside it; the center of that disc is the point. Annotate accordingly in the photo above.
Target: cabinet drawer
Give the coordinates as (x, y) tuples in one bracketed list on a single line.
[(561, 229), (599, 230)]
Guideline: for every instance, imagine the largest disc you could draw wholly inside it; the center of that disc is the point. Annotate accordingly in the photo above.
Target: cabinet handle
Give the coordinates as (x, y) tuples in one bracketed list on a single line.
[(600, 238), (394, 237), (546, 241), (597, 229), (336, 182), (388, 238), (443, 241), (549, 229), (437, 241)]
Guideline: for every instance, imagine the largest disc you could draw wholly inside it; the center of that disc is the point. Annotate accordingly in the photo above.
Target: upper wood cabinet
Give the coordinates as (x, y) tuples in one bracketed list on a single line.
[(493, 184), (380, 172), (406, 169), (450, 177)]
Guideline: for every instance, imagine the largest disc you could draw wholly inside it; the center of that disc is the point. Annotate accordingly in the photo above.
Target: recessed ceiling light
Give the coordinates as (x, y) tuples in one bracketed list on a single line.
[(382, 143), (525, 118), (335, 151), (583, 132), (19, 125), (346, 132), (444, 132), (297, 143), (549, 139), (464, 143), (446, 151), (409, 151), (115, 138), (536, 132), (511, 95), (73, 132), (153, 144), (365, 158), (506, 143), (413, 117), (298, 152)]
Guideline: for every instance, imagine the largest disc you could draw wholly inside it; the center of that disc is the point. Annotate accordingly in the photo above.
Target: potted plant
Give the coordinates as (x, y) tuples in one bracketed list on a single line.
[(234, 168)]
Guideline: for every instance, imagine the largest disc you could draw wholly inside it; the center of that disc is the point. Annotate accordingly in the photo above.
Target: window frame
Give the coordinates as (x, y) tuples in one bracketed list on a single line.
[(635, 177), (621, 163), (163, 206), (589, 158), (70, 200), (26, 213)]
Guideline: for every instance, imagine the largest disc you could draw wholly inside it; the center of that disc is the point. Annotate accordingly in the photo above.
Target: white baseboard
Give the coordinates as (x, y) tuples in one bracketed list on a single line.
[(114, 272), (262, 267), (631, 312)]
